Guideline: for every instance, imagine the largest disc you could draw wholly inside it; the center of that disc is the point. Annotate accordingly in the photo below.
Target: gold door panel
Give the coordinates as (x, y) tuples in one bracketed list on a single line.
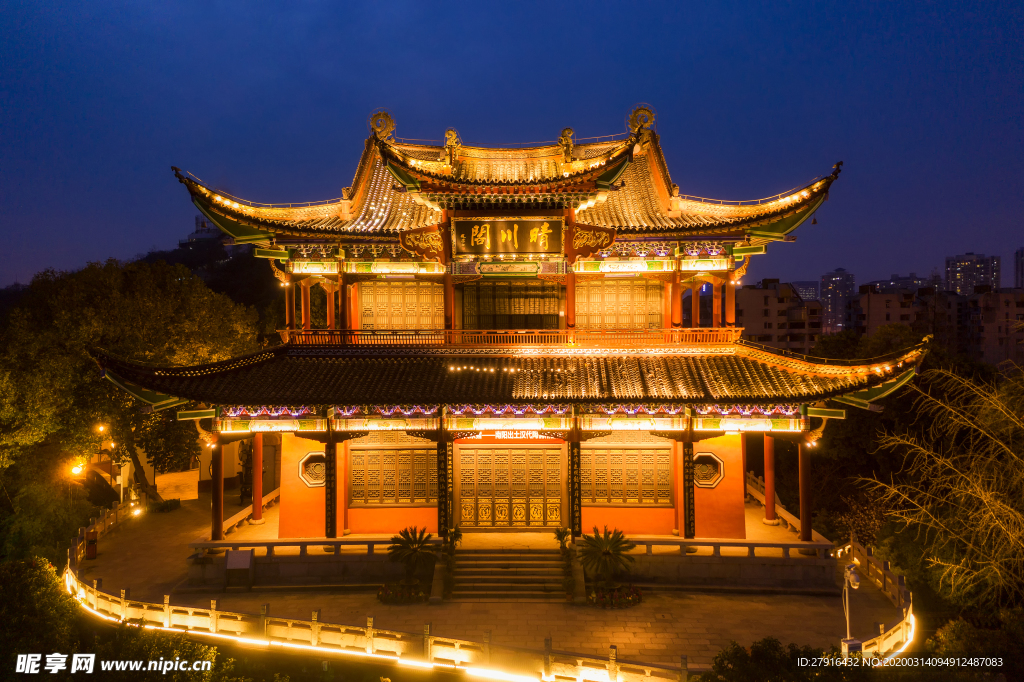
[(510, 486)]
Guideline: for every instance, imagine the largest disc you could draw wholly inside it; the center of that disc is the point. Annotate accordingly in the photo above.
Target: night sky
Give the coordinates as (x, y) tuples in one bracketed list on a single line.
[(269, 101)]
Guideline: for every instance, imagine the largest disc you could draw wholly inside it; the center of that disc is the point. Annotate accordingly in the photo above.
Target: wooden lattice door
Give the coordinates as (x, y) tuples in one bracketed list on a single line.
[(510, 486)]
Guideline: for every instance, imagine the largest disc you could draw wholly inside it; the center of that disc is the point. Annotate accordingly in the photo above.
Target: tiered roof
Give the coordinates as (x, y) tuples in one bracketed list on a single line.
[(622, 183), (302, 374)]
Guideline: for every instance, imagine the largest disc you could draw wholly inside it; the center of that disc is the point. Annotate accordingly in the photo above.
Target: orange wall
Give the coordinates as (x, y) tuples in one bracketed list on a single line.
[(630, 520), (302, 507), (390, 520), (719, 511)]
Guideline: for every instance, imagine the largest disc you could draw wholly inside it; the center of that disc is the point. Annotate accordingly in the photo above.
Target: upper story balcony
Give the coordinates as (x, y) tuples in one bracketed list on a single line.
[(528, 338)]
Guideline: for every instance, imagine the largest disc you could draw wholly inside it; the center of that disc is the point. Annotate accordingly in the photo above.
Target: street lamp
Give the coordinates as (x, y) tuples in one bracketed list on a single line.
[(850, 579)]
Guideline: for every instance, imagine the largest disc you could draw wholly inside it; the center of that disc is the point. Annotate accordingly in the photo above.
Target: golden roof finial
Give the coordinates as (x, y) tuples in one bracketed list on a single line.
[(382, 124), (641, 118)]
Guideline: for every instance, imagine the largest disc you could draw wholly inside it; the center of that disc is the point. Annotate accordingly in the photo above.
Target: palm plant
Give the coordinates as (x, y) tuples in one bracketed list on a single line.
[(604, 555), (562, 535), (412, 548)]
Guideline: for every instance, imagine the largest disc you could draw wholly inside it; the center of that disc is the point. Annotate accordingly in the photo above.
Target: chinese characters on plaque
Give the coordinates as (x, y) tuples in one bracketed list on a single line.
[(507, 236)]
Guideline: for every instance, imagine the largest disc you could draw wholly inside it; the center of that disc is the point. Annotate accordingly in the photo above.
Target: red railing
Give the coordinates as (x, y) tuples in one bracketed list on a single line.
[(584, 338)]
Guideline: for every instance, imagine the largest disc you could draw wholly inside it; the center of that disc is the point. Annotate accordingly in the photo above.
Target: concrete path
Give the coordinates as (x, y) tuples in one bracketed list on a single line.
[(147, 554)]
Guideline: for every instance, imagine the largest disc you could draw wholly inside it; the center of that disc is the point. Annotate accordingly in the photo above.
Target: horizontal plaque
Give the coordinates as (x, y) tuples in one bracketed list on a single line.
[(486, 236)]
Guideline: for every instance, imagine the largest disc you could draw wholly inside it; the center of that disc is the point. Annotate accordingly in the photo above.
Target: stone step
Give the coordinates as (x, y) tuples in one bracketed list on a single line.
[(507, 580), (508, 565), (507, 570), (499, 587), (506, 551)]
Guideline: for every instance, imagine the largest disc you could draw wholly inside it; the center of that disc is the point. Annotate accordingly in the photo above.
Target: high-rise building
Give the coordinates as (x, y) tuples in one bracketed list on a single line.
[(837, 288), (808, 289), (1018, 268), (966, 271), (895, 283)]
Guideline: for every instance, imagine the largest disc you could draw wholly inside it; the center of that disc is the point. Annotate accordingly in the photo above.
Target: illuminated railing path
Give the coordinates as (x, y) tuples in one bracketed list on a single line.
[(894, 637)]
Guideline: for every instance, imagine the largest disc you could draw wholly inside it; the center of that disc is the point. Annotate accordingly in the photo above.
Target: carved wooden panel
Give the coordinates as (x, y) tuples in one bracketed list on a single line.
[(401, 305), (502, 486), (625, 474), (612, 304), (392, 476)]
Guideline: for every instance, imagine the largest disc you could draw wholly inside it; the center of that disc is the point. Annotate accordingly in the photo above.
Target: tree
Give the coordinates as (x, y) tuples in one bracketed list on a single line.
[(411, 547), (962, 488), (36, 614), (53, 397), (605, 555), (52, 391)]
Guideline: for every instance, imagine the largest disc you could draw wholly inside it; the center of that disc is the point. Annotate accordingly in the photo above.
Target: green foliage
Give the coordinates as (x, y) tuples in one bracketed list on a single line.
[(962, 485), (169, 444), (52, 396), (37, 615), (51, 507), (605, 555), (563, 535), (411, 547), (133, 643)]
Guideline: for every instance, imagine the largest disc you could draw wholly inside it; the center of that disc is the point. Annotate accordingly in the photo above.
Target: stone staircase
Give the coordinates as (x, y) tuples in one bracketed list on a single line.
[(508, 574)]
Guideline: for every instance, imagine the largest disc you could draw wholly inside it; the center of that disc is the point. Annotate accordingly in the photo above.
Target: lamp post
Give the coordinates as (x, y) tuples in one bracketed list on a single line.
[(850, 579)]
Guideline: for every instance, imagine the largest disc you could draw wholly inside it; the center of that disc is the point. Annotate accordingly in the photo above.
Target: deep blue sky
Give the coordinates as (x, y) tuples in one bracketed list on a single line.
[(269, 101)]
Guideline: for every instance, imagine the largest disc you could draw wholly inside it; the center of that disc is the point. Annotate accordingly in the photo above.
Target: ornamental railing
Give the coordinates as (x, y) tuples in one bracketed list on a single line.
[(894, 637), (423, 650), (473, 338)]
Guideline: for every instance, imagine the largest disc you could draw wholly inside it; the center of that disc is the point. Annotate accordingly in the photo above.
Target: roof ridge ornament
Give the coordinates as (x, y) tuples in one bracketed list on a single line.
[(566, 143), (452, 145), (641, 118), (382, 124)]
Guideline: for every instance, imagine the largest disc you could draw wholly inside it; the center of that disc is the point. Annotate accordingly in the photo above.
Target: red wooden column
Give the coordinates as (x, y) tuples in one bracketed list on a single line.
[(716, 305), (446, 260), (330, 308), (289, 305), (343, 303), (257, 480), (306, 317), (769, 481), (570, 276), (694, 306), (677, 301), (343, 488), (217, 507), (805, 493), (730, 303)]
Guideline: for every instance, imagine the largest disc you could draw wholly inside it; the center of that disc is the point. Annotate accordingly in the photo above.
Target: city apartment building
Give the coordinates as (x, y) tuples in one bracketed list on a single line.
[(970, 270), (774, 314), (837, 288)]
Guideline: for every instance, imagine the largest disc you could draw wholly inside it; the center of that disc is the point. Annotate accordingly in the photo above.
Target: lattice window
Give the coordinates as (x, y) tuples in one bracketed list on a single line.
[(610, 304), (401, 305), (393, 476), (626, 475)]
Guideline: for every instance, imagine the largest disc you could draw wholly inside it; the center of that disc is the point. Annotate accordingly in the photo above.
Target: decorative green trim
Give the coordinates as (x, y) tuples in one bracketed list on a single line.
[(826, 413), (185, 415), (242, 234), (748, 250), (863, 399), (272, 253), (612, 175), (399, 174), (158, 401)]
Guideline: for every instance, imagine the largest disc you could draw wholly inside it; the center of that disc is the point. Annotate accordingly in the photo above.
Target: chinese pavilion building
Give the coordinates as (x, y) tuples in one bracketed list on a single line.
[(509, 345)]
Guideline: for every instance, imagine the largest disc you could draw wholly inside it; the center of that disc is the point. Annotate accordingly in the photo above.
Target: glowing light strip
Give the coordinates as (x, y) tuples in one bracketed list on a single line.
[(485, 673), (911, 620)]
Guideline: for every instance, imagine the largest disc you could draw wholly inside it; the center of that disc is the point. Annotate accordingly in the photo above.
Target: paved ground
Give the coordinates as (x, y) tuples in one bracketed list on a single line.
[(148, 555)]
